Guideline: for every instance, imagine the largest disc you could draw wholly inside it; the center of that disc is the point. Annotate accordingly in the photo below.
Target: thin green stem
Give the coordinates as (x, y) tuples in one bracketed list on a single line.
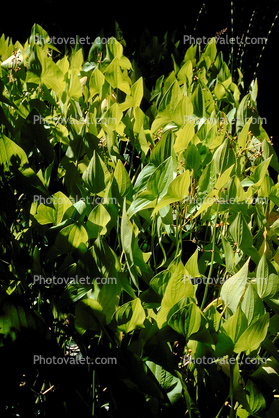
[(232, 414), (232, 47), (153, 233), (221, 409), (211, 261), (93, 391)]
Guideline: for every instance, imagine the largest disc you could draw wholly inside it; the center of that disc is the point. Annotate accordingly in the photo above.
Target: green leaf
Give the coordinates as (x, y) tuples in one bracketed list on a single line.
[(15, 319), (251, 304), (128, 233), (130, 316), (242, 137), (230, 332), (137, 92), (233, 289), (242, 236), (179, 286), (96, 82), (192, 158), (46, 214), (94, 175), (197, 100), (42, 69), (229, 256), (170, 99), (178, 189), (97, 221), (211, 198), (186, 321), (267, 283), (115, 76), (253, 336), (89, 315), (255, 399), (170, 384), (71, 238), (11, 154), (159, 181)]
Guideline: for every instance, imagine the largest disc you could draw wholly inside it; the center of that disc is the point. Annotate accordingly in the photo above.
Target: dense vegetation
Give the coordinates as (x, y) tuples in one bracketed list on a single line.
[(154, 195)]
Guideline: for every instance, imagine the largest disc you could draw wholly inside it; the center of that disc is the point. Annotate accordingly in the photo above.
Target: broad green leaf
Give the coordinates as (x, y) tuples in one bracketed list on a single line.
[(69, 239), (224, 157), (255, 399), (184, 136), (160, 180), (178, 189), (168, 382), (251, 304), (15, 319), (241, 115), (137, 92), (94, 175), (14, 159), (183, 111), (253, 336), (109, 297), (212, 197), (269, 373), (171, 98), (122, 179), (159, 282), (130, 316), (42, 69), (46, 214), (229, 256), (116, 77), (230, 332), (210, 50), (89, 315), (144, 200), (96, 82), (185, 74), (241, 234), (242, 137), (11, 153), (267, 283), (186, 321), (192, 158), (179, 286), (197, 100), (128, 238), (162, 150), (76, 60), (233, 289), (97, 221)]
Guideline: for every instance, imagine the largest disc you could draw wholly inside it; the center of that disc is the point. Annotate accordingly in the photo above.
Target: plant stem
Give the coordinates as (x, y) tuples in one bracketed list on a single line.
[(154, 222), (211, 261), (231, 390), (93, 391), (232, 49)]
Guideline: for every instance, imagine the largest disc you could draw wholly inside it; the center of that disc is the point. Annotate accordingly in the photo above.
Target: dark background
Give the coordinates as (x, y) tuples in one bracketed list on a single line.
[(88, 18)]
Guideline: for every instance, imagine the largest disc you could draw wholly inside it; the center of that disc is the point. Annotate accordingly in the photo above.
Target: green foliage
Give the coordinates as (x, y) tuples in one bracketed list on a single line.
[(102, 178)]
